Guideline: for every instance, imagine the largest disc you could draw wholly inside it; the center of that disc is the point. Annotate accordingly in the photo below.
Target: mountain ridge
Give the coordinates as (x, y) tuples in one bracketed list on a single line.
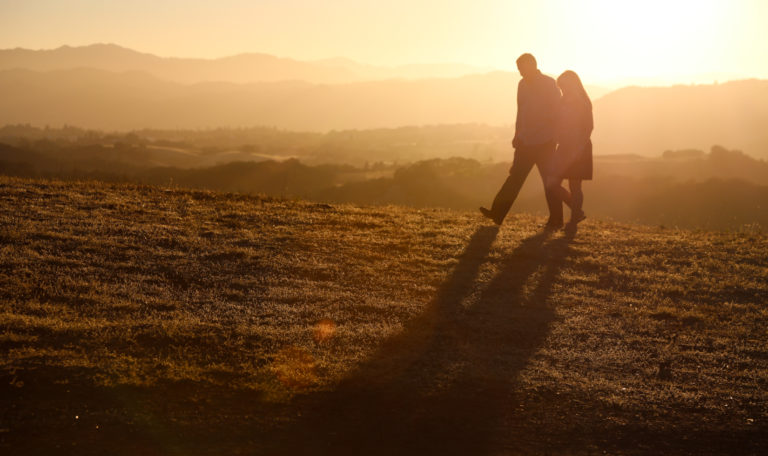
[(241, 68), (635, 119)]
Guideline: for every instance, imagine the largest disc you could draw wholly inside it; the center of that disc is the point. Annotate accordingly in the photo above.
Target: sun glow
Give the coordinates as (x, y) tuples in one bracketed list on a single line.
[(654, 40), (660, 37), (606, 41)]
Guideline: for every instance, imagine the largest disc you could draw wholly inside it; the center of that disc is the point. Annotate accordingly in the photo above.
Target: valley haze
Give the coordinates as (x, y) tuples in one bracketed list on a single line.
[(113, 88)]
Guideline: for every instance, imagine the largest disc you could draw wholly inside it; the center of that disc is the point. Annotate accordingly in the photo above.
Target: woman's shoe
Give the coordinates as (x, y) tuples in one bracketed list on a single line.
[(577, 217)]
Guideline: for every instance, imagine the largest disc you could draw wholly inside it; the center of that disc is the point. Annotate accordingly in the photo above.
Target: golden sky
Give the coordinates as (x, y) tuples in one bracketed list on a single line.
[(608, 42)]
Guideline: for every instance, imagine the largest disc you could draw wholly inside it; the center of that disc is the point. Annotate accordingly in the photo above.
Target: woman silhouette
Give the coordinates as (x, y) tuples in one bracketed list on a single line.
[(572, 159)]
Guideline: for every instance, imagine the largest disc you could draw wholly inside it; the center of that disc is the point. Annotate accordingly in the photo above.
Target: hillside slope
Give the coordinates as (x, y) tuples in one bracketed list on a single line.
[(143, 320), (649, 120)]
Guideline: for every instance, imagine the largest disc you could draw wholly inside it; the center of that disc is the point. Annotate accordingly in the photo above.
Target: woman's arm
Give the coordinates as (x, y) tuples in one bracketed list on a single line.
[(587, 124)]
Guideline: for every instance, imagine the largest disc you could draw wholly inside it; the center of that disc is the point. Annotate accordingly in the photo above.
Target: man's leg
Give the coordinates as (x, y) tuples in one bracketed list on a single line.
[(521, 167)]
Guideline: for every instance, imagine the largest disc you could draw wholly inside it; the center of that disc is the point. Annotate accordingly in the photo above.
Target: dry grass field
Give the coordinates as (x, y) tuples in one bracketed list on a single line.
[(143, 320)]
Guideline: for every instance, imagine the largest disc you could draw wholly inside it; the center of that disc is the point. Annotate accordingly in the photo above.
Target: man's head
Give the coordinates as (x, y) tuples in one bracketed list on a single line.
[(526, 64)]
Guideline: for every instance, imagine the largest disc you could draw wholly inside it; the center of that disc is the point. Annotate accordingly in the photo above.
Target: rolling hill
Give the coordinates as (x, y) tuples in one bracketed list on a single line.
[(722, 189), (635, 120), (643, 120), (149, 320)]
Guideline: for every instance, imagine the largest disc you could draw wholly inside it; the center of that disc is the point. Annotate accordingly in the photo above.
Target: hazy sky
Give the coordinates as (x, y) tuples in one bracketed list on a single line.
[(606, 41)]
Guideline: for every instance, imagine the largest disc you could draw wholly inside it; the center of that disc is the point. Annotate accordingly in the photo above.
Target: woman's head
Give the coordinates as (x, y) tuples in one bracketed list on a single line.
[(570, 83)]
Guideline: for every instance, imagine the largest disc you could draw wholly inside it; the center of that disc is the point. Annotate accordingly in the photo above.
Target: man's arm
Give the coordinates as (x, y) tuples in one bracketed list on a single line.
[(516, 140), (553, 98)]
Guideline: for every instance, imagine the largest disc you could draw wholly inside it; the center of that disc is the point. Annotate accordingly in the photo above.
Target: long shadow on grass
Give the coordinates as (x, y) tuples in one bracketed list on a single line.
[(446, 384)]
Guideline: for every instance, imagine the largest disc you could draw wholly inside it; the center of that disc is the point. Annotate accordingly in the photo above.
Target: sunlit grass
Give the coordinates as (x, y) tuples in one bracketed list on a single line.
[(220, 314)]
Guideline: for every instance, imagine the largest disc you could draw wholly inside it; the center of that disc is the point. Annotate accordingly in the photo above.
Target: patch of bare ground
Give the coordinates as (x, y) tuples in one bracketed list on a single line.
[(142, 320)]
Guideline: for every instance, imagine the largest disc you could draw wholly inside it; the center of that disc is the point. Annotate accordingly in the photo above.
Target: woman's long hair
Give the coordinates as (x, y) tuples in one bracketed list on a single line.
[(570, 78)]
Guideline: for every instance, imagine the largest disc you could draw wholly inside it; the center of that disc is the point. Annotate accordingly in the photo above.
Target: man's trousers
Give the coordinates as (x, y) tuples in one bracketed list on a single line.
[(525, 158)]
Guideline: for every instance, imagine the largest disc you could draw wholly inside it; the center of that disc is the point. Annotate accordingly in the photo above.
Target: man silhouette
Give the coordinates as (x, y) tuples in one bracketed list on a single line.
[(537, 103)]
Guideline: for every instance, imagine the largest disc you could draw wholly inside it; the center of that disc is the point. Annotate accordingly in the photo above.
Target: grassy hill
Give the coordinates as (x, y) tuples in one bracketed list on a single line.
[(144, 320)]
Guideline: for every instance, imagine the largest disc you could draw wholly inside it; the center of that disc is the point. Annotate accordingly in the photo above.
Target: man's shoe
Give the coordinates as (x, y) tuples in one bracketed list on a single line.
[(570, 230), (552, 226), (488, 214)]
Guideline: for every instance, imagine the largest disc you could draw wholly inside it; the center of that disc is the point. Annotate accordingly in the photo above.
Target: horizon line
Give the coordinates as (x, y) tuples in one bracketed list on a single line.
[(613, 83)]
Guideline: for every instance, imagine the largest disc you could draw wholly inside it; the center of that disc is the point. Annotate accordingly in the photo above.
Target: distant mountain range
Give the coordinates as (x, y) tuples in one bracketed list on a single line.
[(242, 68), (133, 100), (644, 120), (113, 88)]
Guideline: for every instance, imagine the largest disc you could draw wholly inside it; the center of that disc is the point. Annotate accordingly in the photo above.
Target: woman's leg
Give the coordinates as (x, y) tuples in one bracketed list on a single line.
[(577, 199), (554, 184)]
